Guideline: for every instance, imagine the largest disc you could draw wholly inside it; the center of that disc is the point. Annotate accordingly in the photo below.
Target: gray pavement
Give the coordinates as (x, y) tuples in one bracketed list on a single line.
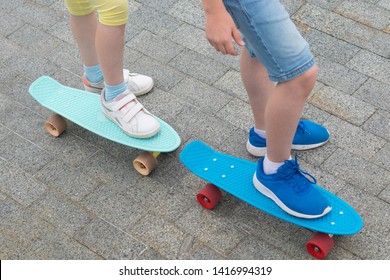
[(77, 197)]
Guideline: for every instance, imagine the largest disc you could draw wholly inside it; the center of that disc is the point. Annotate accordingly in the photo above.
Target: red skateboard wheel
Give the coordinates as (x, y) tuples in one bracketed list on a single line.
[(320, 245), (209, 196)]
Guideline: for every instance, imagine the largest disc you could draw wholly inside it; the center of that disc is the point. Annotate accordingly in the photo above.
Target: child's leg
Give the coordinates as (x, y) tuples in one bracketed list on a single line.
[(274, 40), (84, 30), (257, 84), (283, 111), (101, 42)]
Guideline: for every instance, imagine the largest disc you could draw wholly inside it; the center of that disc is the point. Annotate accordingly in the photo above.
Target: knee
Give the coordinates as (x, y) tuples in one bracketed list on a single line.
[(306, 81), (310, 76)]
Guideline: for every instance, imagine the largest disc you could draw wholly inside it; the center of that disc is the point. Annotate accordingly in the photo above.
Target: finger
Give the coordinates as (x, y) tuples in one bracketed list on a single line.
[(237, 37)]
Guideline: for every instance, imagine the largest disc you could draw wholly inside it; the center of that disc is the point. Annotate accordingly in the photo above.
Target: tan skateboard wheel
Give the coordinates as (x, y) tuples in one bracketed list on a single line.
[(56, 124), (145, 163)]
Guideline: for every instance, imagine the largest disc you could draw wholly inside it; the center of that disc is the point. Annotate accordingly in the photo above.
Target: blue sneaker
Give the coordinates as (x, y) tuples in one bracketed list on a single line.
[(309, 135), (291, 190)]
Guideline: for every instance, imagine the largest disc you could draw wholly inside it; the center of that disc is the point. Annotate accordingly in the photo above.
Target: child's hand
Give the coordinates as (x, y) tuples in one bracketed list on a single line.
[(221, 31)]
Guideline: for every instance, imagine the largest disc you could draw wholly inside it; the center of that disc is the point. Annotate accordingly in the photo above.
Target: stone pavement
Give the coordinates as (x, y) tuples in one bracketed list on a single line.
[(77, 197)]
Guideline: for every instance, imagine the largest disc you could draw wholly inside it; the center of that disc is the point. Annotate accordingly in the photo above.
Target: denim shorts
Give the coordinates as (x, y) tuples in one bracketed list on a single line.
[(271, 37)]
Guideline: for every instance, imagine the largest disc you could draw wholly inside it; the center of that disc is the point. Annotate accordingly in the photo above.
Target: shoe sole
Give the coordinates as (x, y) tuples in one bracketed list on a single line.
[(268, 193), (260, 152)]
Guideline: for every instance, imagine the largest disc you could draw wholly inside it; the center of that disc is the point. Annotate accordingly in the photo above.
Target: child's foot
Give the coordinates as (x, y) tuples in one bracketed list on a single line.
[(130, 115), (138, 84), (291, 190), (309, 135)]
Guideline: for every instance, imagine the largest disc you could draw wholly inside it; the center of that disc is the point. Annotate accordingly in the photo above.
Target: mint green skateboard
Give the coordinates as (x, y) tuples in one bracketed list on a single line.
[(84, 109)]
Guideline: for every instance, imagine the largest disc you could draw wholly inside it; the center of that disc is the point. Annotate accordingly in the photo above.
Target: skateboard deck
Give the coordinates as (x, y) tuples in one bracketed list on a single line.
[(84, 109), (235, 175)]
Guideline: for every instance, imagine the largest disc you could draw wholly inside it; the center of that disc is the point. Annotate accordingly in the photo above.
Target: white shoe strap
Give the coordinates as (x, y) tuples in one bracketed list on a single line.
[(133, 111), (123, 102)]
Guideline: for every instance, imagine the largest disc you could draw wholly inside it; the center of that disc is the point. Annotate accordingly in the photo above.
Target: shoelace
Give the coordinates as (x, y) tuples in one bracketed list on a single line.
[(294, 172)]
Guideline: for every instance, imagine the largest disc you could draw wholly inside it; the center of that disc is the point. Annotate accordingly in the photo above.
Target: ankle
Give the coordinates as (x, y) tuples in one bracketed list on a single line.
[(270, 167)]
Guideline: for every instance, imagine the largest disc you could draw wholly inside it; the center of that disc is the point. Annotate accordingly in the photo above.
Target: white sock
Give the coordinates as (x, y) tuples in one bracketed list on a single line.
[(270, 167), (260, 132)]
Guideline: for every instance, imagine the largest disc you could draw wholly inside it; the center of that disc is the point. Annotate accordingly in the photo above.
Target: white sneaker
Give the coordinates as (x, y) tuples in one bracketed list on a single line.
[(138, 84), (130, 115)]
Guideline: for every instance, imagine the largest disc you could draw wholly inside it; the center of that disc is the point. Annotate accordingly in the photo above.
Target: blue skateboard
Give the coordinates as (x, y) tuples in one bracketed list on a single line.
[(235, 175), (84, 109)]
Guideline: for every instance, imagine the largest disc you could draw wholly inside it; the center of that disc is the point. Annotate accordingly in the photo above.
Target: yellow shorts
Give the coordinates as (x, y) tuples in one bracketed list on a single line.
[(111, 12)]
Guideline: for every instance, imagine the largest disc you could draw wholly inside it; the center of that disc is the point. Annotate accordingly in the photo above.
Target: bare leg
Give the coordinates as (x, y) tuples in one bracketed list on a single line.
[(257, 84), (100, 44), (283, 111), (276, 108)]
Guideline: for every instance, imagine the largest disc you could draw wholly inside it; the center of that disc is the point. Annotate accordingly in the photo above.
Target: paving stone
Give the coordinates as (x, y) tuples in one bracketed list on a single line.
[(21, 152), (205, 253), (55, 245), (155, 46), (12, 250), (358, 171), (336, 25), (363, 12), (326, 4), (161, 5), (211, 229), (352, 138), (256, 249), (12, 24), (18, 222), (189, 11), (61, 212), (198, 66), (153, 20), (231, 83), (9, 6), (314, 114), (194, 39), (18, 184), (375, 93), (164, 76), (109, 242), (382, 157), (329, 47), (203, 127), (371, 65), (342, 105), (201, 95), (384, 3), (119, 204), (339, 76), (385, 194), (37, 14), (379, 124), (35, 40), (238, 113), (163, 236), (58, 174), (371, 208)]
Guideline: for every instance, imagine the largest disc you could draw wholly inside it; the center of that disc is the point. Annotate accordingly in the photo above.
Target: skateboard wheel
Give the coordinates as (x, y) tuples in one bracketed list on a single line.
[(320, 245), (56, 124), (145, 163), (209, 196)]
